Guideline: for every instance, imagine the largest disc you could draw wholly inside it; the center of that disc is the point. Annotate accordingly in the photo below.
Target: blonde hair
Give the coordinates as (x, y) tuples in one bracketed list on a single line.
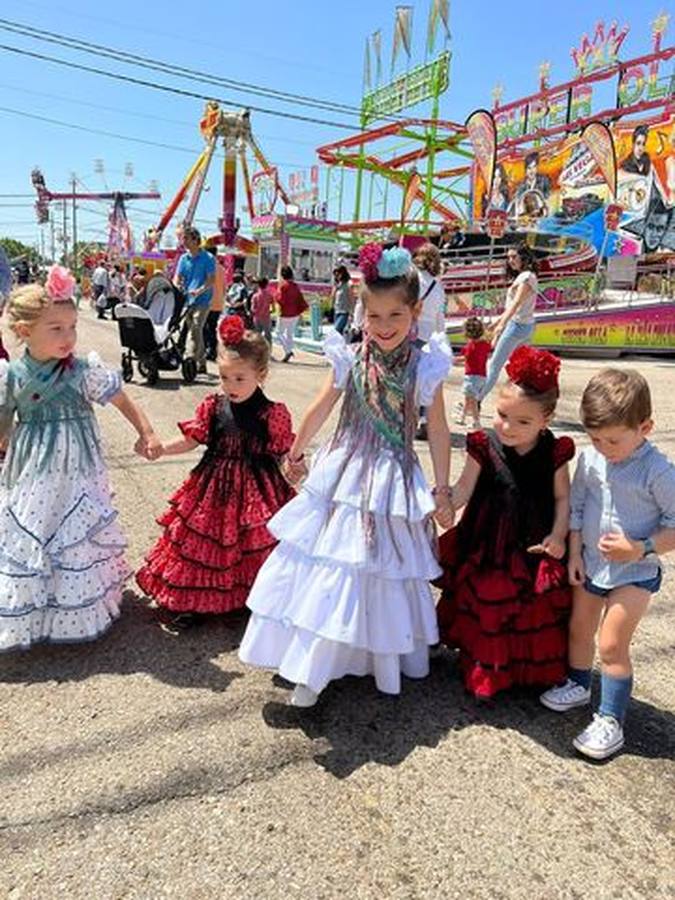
[(26, 305)]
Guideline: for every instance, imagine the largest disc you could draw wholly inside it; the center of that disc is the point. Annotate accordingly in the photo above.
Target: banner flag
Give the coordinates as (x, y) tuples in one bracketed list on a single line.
[(598, 138), (482, 133)]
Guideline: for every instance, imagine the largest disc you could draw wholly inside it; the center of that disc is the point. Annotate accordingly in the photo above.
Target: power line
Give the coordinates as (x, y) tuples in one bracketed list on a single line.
[(181, 92), (142, 115), (146, 62), (114, 134)]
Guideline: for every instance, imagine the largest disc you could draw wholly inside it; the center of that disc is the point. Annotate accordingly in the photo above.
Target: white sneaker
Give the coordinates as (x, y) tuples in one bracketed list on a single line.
[(566, 696), (303, 696), (602, 738)]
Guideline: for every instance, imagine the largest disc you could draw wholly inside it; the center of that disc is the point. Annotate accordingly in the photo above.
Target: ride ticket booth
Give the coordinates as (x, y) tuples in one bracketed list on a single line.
[(309, 247)]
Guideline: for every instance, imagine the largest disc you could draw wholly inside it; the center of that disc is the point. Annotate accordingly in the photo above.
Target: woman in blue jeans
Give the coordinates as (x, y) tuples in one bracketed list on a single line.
[(515, 325)]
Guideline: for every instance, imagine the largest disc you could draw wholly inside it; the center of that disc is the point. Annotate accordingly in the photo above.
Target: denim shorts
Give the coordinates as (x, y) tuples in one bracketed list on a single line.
[(653, 585), (473, 385)]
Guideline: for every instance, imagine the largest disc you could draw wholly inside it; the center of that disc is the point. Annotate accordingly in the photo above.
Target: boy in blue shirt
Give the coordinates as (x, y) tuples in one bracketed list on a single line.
[(622, 520)]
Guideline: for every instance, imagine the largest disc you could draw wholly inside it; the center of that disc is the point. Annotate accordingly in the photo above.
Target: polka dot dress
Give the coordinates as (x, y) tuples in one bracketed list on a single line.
[(62, 562)]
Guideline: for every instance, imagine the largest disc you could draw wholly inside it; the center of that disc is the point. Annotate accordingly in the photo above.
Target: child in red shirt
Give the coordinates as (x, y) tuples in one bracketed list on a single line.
[(476, 353), (261, 304)]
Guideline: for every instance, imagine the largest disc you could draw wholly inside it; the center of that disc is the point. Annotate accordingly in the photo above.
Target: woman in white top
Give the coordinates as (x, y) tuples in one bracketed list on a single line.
[(515, 325), (432, 296)]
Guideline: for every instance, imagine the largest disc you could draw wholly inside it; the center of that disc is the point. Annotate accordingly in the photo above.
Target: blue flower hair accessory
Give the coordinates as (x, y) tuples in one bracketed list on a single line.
[(394, 262)]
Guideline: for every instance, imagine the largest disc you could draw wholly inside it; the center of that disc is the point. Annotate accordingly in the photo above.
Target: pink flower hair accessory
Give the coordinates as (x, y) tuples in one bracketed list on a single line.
[(369, 257), (60, 284)]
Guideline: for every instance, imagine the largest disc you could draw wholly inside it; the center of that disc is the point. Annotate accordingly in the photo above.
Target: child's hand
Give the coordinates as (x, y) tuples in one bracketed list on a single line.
[(619, 548), (445, 511), (153, 447), (576, 570), (551, 545), (294, 470)]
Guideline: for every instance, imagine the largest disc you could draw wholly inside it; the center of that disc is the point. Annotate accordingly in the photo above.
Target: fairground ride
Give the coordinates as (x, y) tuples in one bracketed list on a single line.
[(425, 159), (235, 133), (120, 238), (591, 189)]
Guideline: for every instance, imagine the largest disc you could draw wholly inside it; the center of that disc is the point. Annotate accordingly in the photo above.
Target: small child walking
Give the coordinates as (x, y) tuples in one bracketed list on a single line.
[(62, 564), (347, 589), (506, 598), (261, 309), (215, 531), (476, 352), (622, 521)]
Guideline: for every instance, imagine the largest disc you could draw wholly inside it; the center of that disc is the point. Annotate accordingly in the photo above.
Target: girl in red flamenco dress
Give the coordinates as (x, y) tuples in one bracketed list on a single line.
[(506, 598), (215, 531)]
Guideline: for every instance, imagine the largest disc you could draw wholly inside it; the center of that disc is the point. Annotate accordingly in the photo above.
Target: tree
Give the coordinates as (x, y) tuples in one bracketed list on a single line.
[(14, 249)]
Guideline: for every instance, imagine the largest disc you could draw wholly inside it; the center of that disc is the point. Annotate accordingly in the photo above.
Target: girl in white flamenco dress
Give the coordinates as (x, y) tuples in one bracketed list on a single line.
[(346, 591), (62, 564)]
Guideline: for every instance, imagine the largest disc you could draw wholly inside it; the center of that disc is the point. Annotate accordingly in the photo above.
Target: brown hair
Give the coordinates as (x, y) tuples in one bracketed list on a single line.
[(251, 348), (26, 305), (428, 257), (473, 328), (407, 284), (547, 400), (527, 258), (616, 397)]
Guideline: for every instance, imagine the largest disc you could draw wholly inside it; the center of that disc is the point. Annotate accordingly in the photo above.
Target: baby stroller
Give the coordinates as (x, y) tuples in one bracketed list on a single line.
[(151, 333)]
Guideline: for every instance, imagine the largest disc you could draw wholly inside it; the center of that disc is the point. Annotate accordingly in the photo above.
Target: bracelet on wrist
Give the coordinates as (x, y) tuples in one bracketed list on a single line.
[(443, 490), (295, 459)]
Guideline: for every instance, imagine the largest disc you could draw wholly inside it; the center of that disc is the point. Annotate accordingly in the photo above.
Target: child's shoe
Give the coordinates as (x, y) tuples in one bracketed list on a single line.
[(303, 696), (602, 739), (566, 696)]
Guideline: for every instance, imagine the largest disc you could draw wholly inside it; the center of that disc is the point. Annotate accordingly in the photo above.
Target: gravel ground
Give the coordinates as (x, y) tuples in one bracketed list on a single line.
[(152, 766)]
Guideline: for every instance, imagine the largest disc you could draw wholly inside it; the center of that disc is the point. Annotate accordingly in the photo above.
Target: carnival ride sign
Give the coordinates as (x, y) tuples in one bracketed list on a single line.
[(641, 85), (265, 190), (419, 84)]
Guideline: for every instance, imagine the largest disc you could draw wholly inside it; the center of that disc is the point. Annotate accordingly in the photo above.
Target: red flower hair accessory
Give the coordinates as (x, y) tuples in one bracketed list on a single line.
[(369, 257), (231, 330), (536, 369)]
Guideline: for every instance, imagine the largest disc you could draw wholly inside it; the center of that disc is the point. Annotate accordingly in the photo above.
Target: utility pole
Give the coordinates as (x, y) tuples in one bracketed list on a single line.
[(73, 183), (52, 239), (65, 234)]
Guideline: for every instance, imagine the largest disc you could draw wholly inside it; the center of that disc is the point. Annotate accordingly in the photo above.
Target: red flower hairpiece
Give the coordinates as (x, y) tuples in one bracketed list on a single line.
[(369, 257), (231, 330), (537, 369)]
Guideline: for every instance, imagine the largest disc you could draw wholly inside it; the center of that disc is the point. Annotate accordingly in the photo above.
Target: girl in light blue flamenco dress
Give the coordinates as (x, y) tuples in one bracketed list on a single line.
[(346, 591), (62, 564)]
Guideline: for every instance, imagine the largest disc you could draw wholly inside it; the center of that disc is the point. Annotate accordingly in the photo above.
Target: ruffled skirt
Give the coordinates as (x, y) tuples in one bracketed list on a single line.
[(62, 563), (346, 592), (215, 540), (510, 625)]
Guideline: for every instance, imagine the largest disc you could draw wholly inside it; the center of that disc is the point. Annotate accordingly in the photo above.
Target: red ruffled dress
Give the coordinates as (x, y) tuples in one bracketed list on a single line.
[(505, 609), (215, 531)]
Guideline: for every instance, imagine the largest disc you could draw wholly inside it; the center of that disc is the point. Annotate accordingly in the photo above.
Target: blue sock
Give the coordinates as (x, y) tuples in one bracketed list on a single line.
[(614, 696), (581, 676)]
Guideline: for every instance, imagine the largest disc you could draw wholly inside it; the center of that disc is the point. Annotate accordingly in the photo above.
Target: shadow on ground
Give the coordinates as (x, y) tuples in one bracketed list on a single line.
[(363, 726), (135, 643)]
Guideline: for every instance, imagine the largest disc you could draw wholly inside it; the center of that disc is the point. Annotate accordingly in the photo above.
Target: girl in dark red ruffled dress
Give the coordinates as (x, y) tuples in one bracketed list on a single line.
[(215, 530), (506, 598)]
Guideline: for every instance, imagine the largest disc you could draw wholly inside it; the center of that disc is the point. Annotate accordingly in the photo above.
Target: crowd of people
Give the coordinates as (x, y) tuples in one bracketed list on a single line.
[(335, 560)]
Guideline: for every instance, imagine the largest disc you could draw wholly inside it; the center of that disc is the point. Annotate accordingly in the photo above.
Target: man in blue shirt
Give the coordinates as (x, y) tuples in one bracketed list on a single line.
[(194, 277)]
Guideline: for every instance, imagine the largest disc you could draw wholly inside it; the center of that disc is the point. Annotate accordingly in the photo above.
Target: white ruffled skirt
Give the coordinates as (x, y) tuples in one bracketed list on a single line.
[(346, 592), (62, 562)]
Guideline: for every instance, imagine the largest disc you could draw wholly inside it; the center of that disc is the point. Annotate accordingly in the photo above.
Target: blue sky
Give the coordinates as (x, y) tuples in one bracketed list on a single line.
[(310, 48)]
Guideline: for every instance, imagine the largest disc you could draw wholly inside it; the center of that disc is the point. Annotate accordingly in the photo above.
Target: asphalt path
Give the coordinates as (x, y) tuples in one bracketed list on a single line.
[(149, 766)]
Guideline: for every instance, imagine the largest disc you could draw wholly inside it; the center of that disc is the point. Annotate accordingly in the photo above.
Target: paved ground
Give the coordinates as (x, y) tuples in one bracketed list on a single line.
[(149, 766)]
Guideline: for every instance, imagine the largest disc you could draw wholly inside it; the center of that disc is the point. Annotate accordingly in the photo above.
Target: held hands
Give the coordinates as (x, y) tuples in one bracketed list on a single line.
[(294, 470), (445, 511), (619, 548), (149, 446)]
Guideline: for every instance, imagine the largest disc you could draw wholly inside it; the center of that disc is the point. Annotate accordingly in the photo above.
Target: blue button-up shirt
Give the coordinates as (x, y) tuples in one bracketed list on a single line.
[(635, 497)]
